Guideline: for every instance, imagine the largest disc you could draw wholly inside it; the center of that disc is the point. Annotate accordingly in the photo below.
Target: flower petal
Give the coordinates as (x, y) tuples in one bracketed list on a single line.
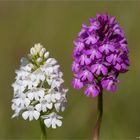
[(36, 114), (25, 115), (48, 122), (38, 107)]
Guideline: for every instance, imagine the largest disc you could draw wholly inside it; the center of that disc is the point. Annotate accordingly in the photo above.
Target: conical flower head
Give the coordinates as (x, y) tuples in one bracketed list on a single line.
[(100, 55), (39, 88)]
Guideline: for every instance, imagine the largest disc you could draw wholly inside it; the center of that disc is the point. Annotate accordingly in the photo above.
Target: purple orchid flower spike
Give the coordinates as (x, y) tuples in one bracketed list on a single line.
[(100, 55), (100, 51)]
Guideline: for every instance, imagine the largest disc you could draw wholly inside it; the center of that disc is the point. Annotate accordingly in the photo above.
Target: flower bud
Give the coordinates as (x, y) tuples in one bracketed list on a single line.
[(33, 51), (41, 53), (39, 60), (46, 55), (38, 47)]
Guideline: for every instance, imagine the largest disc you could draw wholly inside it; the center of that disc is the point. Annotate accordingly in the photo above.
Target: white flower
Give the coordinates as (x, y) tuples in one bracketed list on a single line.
[(56, 82), (38, 88), (53, 95), (36, 94), (18, 87), (27, 67), (61, 104), (52, 120), (21, 101), (17, 110), (31, 114), (44, 105), (38, 75)]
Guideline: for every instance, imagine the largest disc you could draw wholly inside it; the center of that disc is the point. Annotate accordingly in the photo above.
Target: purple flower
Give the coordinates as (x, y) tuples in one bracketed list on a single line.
[(86, 75), (106, 48), (92, 89), (122, 67), (117, 30), (94, 54), (91, 39), (79, 45), (84, 60), (95, 25), (113, 59), (77, 84), (83, 31), (99, 69), (109, 83), (75, 67), (100, 55)]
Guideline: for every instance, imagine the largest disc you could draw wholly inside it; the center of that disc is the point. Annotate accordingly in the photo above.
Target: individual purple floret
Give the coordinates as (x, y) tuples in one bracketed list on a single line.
[(109, 83), (92, 89), (77, 84), (100, 55)]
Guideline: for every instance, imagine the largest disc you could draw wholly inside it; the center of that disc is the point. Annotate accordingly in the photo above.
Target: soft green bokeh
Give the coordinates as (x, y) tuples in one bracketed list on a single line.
[(55, 25)]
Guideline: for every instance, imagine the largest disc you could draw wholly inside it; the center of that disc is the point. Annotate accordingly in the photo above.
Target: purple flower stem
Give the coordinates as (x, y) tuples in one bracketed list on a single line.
[(96, 133)]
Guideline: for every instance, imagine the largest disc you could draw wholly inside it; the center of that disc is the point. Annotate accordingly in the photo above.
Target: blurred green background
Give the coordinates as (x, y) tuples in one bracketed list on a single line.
[(55, 25)]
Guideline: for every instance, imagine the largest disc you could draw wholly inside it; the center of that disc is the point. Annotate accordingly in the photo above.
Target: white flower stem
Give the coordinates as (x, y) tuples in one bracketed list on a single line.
[(43, 130), (99, 117)]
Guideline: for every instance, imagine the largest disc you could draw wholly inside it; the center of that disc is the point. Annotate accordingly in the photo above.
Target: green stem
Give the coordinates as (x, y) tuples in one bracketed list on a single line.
[(43, 130), (99, 117)]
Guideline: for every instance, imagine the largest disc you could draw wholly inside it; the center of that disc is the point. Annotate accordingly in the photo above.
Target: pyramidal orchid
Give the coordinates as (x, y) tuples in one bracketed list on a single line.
[(39, 92), (100, 55)]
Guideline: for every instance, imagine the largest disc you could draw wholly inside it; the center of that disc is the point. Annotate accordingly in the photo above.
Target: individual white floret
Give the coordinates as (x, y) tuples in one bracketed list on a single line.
[(16, 109), (52, 120), (31, 113), (43, 105), (53, 95), (55, 83), (24, 71), (18, 87), (61, 104), (36, 94), (21, 100), (38, 75), (35, 79), (27, 67)]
